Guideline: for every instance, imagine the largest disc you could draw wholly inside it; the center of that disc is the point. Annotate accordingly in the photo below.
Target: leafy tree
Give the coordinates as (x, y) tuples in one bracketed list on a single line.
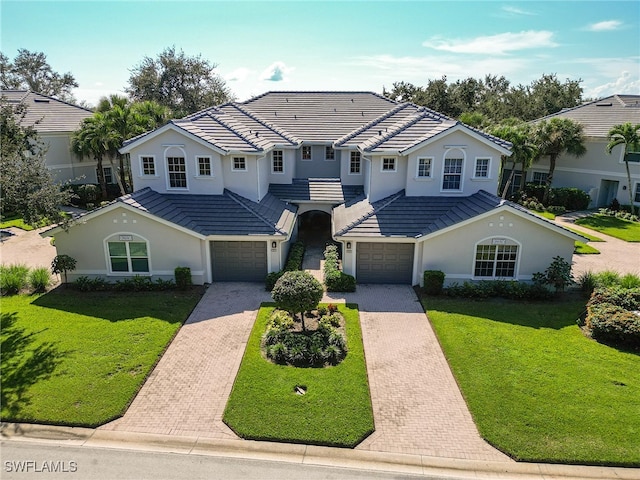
[(31, 71), (63, 264), (547, 96), (554, 137), (297, 291), (402, 92), (523, 151), (28, 188), (182, 83), (628, 135), (474, 119)]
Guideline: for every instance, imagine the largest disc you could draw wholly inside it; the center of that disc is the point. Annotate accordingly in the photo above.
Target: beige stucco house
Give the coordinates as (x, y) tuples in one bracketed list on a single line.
[(55, 121), (602, 175), (401, 188)]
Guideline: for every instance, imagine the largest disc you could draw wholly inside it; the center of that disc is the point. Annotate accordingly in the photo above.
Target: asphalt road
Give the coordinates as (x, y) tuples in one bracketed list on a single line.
[(43, 461)]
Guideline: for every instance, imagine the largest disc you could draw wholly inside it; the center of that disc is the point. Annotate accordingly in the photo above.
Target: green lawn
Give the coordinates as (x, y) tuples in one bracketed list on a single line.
[(537, 388), (585, 249), (615, 227), (545, 214), (79, 358), (15, 222), (336, 409)]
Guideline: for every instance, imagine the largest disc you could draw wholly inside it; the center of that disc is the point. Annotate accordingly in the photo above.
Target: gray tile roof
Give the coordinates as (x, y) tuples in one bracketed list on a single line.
[(362, 120), (413, 217), (599, 116), (322, 190), (226, 214), (54, 116)]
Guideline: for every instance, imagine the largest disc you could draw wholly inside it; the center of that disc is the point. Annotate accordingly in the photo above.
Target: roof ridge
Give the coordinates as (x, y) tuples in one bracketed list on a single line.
[(240, 201), (283, 133), (371, 123), (234, 131), (397, 128)]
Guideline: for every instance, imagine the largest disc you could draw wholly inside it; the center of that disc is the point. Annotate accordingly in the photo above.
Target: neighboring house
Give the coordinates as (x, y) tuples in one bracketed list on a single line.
[(224, 191), (603, 176), (55, 121)]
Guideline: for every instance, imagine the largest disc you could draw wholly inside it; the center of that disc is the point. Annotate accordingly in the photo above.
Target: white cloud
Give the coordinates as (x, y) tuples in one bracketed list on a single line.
[(604, 26), (516, 11), (276, 72), (625, 83), (498, 44), (238, 75)]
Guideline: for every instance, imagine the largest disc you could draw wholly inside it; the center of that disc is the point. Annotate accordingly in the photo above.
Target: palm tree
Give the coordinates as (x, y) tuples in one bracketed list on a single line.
[(628, 135), (522, 151), (94, 139), (554, 137)]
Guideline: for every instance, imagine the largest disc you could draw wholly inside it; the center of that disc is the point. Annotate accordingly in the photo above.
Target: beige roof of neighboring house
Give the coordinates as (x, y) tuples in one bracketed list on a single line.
[(54, 115), (599, 116)]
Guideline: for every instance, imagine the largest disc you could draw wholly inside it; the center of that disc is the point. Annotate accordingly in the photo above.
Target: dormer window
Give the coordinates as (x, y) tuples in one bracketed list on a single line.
[(306, 152), (204, 166), (177, 171), (148, 165), (482, 168), (452, 174), (424, 168)]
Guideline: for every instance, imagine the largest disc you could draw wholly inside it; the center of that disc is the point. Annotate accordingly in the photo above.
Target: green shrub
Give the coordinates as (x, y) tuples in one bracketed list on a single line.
[(334, 279), (626, 298), (498, 288), (271, 279), (558, 275), (39, 279), (183, 277), (293, 263), (13, 278), (587, 281), (630, 280), (297, 292), (556, 209), (570, 198), (433, 282), (63, 264), (611, 316)]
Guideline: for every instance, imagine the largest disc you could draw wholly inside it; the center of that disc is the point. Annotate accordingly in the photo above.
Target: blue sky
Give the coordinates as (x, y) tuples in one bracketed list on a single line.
[(320, 45)]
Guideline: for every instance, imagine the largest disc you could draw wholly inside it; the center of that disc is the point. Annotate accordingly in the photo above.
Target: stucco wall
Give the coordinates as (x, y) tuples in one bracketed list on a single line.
[(289, 157), (318, 166), (167, 248), (385, 183), (346, 177)]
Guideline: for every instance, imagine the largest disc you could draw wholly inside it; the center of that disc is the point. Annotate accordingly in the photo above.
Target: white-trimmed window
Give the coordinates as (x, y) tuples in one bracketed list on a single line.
[(636, 196), (127, 255), (277, 161), (204, 166), (239, 164), (355, 163), (540, 178), (108, 174), (329, 153), (424, 167), (388, 164), (452, 174), (177, 171), (148, 165), (496, 258), (306, 152), (482, 168)]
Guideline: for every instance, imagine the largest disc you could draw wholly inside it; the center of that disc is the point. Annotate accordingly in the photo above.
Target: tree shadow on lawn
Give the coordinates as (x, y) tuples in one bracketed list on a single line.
[(556, 314), (117, 306), (23, 364)]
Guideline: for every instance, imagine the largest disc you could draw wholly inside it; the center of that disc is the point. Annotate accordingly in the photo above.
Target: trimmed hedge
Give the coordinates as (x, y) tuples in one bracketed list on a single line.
[(433, 281), (612, 316), (294, 262), (183, 277), (334, 279), (133, 284), (499, 288)]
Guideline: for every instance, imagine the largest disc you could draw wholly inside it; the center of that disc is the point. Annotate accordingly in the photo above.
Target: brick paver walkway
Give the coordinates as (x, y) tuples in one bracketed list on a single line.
[(417, 405), (188, 390)]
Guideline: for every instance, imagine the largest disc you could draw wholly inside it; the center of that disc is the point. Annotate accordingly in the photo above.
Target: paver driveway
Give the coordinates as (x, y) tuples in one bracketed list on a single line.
[(418, 408)]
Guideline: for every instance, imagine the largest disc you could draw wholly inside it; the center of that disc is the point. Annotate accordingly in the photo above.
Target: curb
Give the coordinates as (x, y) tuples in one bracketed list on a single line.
[(306, 454)]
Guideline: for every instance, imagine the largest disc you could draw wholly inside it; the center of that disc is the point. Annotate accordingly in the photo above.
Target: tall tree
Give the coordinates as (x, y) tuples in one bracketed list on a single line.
[(31, 71), (523, 150), (548, 95), (554, 137), (28, 188), (182, 83), (628, 135)]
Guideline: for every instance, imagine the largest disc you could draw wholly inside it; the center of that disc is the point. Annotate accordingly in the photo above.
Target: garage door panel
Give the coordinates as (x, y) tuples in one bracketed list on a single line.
[(239, 261), (384, 263)]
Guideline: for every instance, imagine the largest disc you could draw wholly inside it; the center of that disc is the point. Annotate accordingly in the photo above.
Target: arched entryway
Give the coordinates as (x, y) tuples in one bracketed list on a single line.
[(314, 228)]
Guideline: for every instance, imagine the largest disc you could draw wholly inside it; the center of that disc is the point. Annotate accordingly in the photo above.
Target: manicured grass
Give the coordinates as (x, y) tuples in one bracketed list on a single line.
[(537, 388), (615, 227), (336, 409), (17, 222), (79, 358), (545, 214), (584, 249), (591, 238)]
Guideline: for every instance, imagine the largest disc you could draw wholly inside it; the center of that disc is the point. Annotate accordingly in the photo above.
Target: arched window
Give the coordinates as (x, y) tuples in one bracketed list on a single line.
[(176, 167), (496, 257), (453, 170), (127, 253)]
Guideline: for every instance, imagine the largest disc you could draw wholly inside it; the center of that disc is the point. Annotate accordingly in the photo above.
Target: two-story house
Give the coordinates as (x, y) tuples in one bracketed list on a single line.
[(404, 188), (55, 121)]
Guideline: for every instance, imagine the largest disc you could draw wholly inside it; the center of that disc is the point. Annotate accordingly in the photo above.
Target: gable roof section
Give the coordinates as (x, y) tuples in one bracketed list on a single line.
[(53, 115), (416, 217), (599, 116), (321, 190)]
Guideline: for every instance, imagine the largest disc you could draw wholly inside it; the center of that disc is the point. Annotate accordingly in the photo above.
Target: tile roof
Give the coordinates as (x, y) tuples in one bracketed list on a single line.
[(362, 120), (322, 190), (413, 217), (599, 116), (53, 115), (226, 214)]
